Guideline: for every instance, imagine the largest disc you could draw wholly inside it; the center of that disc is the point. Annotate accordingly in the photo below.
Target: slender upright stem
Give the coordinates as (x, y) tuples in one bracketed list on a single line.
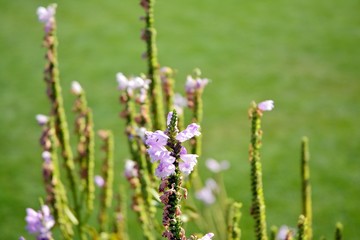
[(305, 186), (156, 97)]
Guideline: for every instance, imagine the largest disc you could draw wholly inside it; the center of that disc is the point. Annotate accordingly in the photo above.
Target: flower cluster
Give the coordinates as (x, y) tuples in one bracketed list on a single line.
[(195, 84), (46, 16), (158, 151), (131, 84), (40, 222)]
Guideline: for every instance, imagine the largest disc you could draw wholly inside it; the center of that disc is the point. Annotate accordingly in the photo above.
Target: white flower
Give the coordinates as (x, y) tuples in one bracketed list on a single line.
[(76, 88), (267, 105), (283, 232), (41, 119)]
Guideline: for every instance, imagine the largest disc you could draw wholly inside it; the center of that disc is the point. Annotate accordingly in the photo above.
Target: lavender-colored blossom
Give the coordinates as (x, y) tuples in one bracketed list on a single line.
[(122, 81), (195, 84), (76, 88), (130, 169), (208, 236), (40, 222), (99, 181), (46, 16), (188, 163), (190, 131), (42, 119), (160, 153), (211, 184), (216, 166), (157, 138), (267, 105), (164, 169)]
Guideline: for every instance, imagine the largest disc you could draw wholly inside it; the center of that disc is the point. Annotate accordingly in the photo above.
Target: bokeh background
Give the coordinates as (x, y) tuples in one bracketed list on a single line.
[(305, 55)]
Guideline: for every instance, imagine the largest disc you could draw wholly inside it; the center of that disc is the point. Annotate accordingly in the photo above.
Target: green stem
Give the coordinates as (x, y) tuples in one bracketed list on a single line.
[(305, 185)]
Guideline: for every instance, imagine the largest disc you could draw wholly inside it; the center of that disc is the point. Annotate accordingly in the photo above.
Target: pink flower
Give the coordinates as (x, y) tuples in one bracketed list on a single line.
[(195, 84), (46, 16), (267, 105)]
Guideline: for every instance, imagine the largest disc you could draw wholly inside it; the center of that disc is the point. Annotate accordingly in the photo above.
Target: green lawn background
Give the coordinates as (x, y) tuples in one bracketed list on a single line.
[(304, 55)]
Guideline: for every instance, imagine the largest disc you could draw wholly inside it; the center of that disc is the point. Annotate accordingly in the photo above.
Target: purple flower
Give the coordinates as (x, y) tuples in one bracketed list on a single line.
[(179, 103), (39, 223), (190, 131), (216, 166), (159, 153), (283, 232), (157, 138), (46, 16), (208, 236), (188, 163), (267, 105), (164, 169), (99, 181), (195, 84)]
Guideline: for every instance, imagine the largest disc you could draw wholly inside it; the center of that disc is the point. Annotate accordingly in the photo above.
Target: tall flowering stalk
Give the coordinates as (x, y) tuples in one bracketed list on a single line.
[(174, 161), (108, 176), (134, 90), (305, 185), (149, 36), (85, 148), (258, 202), (56, 193), (339, 231), (51, 77)]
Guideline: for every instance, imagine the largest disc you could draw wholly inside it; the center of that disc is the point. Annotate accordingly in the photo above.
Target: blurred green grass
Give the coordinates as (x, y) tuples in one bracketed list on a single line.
[(303, 54)]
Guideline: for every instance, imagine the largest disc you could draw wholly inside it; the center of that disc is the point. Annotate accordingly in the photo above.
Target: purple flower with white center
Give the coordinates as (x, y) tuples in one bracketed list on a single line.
[(267, 105), (130, 169), (190, 131), (99, 181), (216, 166), (42, 119), (76, 88), (39, 223), (208, 236)]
